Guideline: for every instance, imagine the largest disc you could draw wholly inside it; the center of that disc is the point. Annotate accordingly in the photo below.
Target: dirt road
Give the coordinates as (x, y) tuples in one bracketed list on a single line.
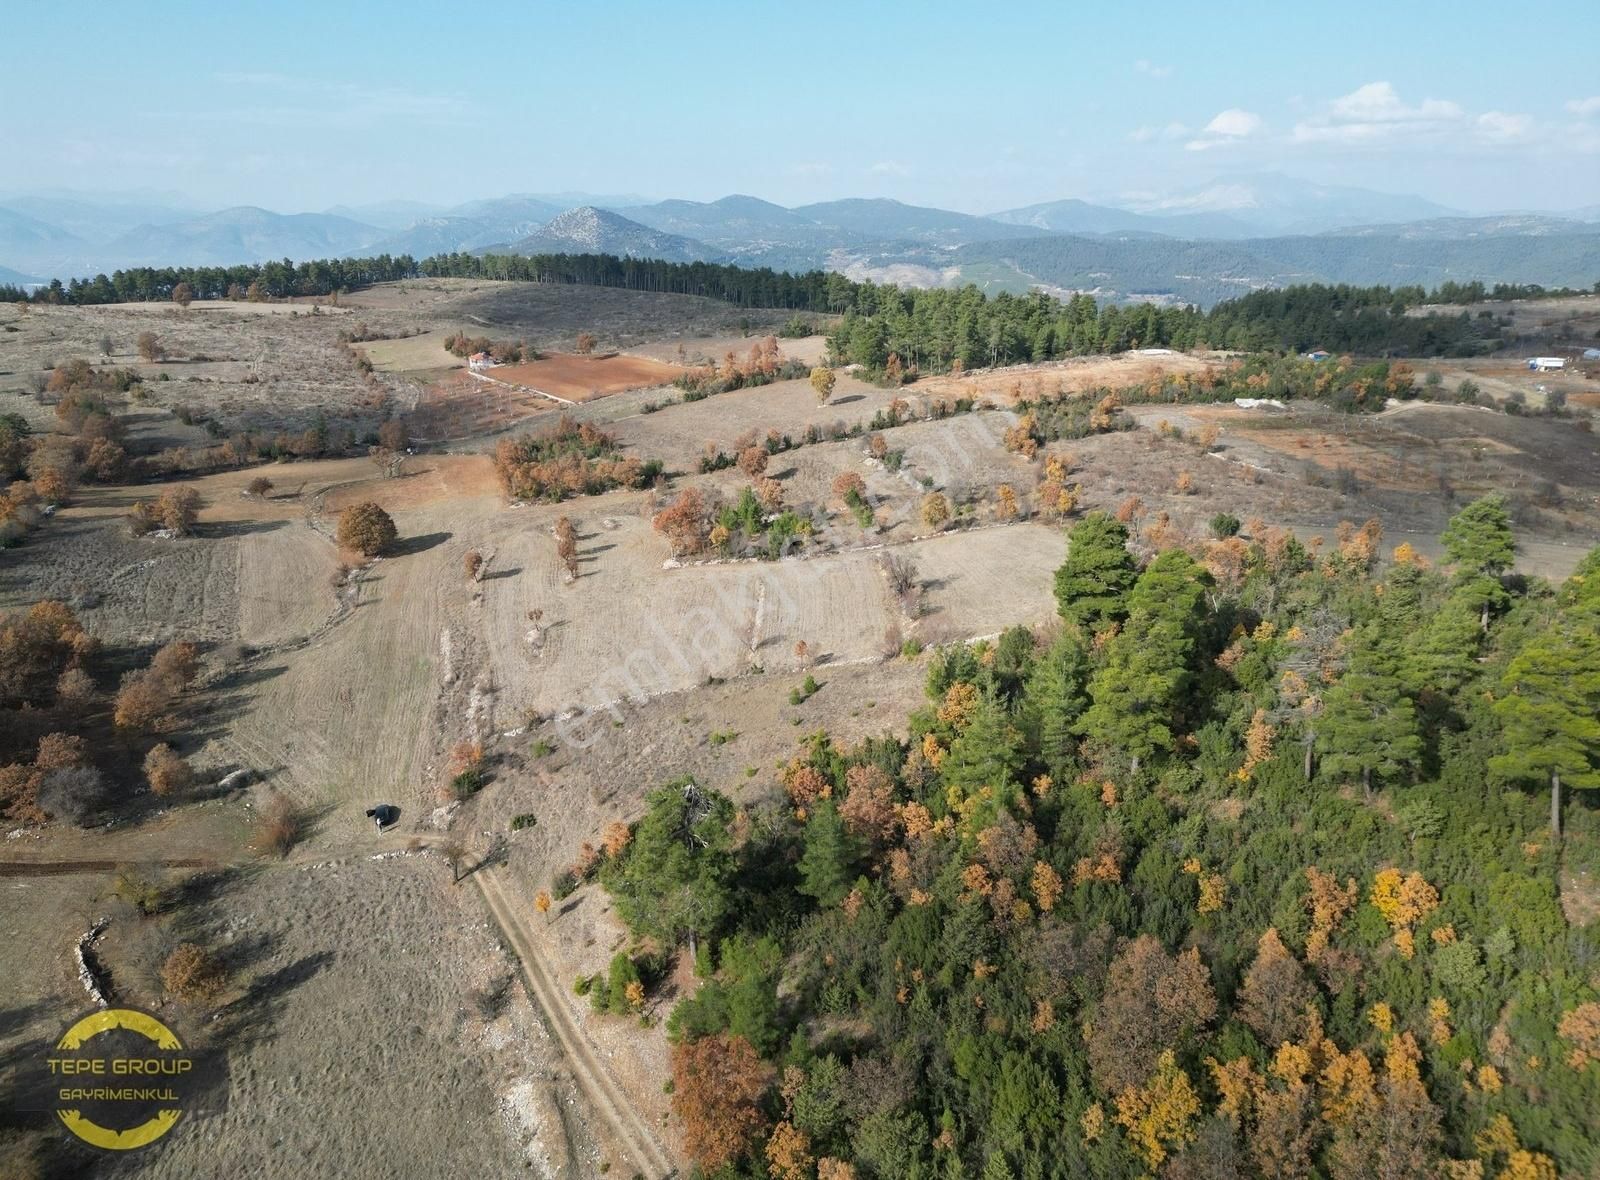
[(605, 1096)]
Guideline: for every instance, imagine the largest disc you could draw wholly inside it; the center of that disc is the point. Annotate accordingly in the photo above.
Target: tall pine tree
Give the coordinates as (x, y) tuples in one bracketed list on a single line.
[(1093, 583), (1139, 689), (1369, 724), (1478, 542), (828, 862), (986, 753), (1056, 698), (1550, 703)]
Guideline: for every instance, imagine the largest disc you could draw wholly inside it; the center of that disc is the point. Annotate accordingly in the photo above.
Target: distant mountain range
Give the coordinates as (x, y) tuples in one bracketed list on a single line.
[(1235, 233)]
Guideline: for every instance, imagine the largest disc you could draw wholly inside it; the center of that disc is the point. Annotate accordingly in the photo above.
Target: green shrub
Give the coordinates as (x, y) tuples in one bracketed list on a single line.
[(1224, 525)]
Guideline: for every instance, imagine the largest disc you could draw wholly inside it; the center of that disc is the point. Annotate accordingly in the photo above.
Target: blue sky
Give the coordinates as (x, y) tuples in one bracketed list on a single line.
[(299, 106)]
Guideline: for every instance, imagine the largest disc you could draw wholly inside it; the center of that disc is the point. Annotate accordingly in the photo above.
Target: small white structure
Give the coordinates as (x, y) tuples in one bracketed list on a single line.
[(1591, 354), (479, 361), (1546, 364)]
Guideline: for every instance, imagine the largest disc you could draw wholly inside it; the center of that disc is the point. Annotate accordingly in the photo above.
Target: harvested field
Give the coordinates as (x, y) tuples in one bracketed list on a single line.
[(964, 456), (351, 717), (1411, 466), (583, 378), (286, 584), (1502, 380)]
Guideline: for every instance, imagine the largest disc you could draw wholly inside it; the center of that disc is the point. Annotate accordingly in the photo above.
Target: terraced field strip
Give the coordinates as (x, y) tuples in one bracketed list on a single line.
[(605, 1097)]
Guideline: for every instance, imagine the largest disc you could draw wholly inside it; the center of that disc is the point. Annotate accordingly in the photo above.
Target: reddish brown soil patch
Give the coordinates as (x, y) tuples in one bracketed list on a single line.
[(580, 378)]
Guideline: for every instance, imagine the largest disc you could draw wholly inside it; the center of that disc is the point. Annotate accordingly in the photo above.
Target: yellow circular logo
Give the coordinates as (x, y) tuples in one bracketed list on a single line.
[(120, 1079)]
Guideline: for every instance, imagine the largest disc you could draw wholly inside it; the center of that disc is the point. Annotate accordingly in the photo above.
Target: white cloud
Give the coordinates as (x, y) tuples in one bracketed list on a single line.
[(1229, 126), (1378, 102), (1151, 134), (1151, 70), (1500, 127), (1584, 107), (282, 100), (889, 168), (1234, 123), (1376, 112)]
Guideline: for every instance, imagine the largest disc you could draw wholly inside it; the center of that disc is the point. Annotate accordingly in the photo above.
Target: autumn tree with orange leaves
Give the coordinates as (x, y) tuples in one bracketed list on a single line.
[(717, 1085)]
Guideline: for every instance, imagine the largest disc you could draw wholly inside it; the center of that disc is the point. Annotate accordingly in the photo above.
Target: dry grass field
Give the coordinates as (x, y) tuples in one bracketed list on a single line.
[(550, 316), (1074, 375), (353, 990), (248, 370), (678, 434), (710, 350), (423, 355)]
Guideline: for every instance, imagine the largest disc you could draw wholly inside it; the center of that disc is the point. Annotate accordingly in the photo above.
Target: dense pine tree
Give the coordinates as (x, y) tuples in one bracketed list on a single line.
[(1478, 542), (1093, 583), (1550, 704), (1057, 696), (1369, 724)]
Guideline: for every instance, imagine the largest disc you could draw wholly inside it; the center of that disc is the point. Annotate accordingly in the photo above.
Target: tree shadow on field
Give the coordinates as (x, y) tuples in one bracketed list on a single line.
[(252, 1018), (202, 889), (247, 675), (407, 546), (847, 399), (16, 1017), (237, 528), (786, 473), (496, 855), (594, 549), (494, 575)]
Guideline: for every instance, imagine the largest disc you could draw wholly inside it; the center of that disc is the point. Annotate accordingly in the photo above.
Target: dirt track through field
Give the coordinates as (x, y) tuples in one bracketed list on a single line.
[(60, 868), (606, 1097)]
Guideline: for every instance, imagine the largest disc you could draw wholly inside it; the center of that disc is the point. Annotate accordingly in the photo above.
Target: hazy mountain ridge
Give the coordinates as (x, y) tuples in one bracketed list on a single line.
[(1273, 204), (1081, 217), (241, 234), (1206, 272), (1199, 244)]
